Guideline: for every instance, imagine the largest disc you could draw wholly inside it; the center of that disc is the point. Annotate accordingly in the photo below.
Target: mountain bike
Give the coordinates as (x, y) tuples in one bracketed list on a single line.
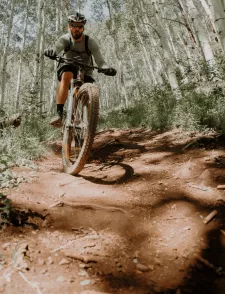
[(81, 120)]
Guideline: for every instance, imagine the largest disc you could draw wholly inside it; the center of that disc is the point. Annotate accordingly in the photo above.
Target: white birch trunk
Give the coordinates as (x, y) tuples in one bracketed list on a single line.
[(137, 78), (168, 58), (21, 57), (113, 33), (158, 68), (147, 61), (4, 58), (172, 42), (218, 15), (223, 3), (2, 42), (57, 16), (42, 58), (52, 93), (202, 36), (34, 86), (206, 7)]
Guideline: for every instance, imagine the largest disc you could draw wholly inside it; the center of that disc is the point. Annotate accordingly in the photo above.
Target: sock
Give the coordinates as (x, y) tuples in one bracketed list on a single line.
[(60, 108)]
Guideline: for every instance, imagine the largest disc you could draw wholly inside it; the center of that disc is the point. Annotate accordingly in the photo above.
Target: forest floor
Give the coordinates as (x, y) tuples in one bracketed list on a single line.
[(134, 220)]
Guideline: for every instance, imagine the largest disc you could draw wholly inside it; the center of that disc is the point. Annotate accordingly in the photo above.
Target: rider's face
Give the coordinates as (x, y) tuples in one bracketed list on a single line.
[(76, 30)]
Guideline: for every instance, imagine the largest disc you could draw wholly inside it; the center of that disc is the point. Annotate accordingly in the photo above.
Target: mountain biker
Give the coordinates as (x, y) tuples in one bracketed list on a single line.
[(74, 44)]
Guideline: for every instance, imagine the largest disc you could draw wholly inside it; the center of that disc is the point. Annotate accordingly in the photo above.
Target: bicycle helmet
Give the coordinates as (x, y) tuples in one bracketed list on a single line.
[(77, 17)]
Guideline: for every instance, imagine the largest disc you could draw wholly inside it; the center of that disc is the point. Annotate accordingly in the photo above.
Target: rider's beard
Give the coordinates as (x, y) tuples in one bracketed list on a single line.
[(77, 35)]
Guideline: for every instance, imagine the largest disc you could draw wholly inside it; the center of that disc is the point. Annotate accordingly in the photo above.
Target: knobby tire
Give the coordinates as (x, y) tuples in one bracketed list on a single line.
[(90, 94)]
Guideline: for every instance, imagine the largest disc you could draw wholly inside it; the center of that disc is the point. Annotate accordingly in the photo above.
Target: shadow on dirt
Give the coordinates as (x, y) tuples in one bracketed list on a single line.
[(208, 276), (128, 174), (56, 147)]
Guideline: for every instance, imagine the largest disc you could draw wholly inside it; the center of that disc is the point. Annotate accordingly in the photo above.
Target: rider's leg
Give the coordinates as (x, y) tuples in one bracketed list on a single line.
[(62, 91), (61, 95)]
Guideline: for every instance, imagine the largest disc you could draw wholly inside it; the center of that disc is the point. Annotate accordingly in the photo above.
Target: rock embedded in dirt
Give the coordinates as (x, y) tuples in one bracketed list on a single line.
[(60, 279), (44, 271), (50, 260), (64, 261), (41, 262), (45, 223), (187, 228), (85, 282), (85, 266), (142, 267), (83, 273)]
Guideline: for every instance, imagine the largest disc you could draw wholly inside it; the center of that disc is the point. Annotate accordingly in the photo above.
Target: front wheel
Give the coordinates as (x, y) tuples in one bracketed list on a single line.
[(79, 136)]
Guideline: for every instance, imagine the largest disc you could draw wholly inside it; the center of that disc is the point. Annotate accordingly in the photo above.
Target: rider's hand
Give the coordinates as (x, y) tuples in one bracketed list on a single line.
[(108, 71), (50, 53)]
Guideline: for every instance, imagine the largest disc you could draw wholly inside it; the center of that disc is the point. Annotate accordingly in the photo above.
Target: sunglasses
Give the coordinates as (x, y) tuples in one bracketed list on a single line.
[(74, 25)]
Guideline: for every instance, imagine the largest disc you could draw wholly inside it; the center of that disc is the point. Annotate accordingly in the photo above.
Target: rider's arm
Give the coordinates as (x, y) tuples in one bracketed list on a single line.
[(61, 43), (95, 51)]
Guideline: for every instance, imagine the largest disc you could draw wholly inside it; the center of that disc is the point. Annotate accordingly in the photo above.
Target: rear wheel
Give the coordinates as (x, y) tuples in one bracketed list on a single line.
[(78, 138)]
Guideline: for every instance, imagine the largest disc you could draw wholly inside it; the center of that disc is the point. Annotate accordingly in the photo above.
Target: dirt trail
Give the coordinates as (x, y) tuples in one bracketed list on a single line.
[(131, 222)]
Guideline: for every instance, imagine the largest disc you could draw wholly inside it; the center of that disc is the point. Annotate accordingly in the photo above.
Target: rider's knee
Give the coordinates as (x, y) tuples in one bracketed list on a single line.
[(66, 77)]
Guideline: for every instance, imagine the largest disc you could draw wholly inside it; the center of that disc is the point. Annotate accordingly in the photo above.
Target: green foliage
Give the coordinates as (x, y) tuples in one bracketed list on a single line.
[(200, 111), (196, 110), (5, 209), (22, 145), (154, 111)]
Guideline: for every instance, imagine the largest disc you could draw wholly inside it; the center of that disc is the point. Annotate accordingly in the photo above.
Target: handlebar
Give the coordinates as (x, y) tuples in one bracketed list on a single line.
[(76, 61)]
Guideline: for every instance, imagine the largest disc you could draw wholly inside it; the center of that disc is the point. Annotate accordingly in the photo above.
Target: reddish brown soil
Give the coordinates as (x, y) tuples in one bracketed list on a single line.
[(131, 222)]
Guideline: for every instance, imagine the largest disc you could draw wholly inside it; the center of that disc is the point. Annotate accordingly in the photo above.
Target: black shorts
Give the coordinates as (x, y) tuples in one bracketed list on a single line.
[(73, 69)]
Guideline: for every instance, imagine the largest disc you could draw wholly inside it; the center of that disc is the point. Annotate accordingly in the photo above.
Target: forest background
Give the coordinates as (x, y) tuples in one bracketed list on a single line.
[(169, 55)]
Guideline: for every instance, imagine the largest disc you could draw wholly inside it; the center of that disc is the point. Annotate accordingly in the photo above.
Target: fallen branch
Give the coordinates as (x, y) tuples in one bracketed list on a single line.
[(33, 285), (63, 247), (210, 217), (85, 259), (13, 120), (190, 143), (199, 188), (221, 187), (205, 262), (88, 206)]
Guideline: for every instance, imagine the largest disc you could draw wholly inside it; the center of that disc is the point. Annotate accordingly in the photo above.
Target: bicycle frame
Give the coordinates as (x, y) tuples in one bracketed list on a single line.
[(81, 120), (75, 84)]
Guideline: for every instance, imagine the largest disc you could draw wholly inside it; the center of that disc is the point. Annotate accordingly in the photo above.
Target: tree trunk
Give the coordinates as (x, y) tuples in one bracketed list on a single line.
[(168, 58), (42, 58), (147, 61), (13, 120), (218, 15), (52, 93), (4, 58), (113, 32), (21, 57), (202, 36), (34, 86), (158, 67)]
